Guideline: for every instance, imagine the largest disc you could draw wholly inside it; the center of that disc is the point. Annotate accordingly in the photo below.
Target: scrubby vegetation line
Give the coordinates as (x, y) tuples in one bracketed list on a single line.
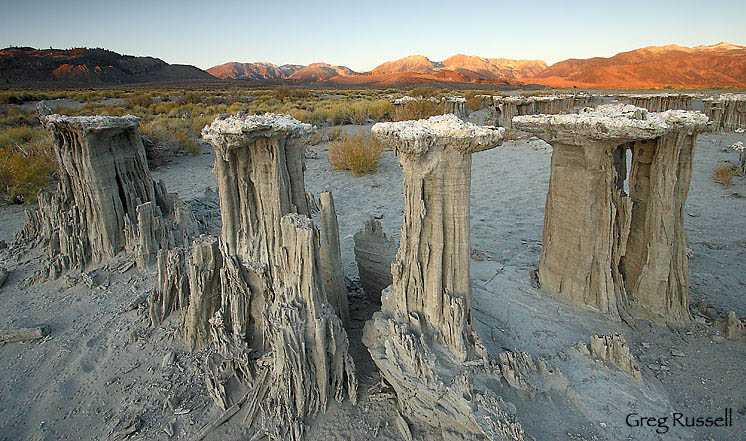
[(172, 120)]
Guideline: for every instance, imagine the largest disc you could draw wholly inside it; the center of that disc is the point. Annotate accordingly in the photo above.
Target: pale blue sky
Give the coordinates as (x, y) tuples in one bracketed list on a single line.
[(363, 34)]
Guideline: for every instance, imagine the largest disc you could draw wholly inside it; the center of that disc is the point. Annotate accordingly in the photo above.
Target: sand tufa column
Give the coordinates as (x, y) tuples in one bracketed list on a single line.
[(277, 341), (602, 248), (331, 259), (726, 111), (456, 105), (422, 340), (104, 192)]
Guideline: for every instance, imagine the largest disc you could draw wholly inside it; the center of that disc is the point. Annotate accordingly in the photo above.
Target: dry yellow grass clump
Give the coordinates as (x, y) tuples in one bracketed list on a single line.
[(358, 152), (724, 172)]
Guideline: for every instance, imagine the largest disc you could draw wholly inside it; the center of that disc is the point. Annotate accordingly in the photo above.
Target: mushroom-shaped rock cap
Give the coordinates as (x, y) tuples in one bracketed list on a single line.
[(611, 122), (88, 123), (449, 131), (232, 131)]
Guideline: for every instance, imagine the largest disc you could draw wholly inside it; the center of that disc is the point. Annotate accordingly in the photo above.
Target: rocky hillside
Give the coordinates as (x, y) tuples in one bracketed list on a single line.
[(83, 66), (458, 68), (316, 72), (253, 71), (721, 64), (313, 73)]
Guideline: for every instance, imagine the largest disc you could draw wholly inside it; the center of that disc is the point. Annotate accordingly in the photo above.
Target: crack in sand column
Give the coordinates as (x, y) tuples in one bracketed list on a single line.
[(601, 248), (278, 346), (105, 197), (422, 340)]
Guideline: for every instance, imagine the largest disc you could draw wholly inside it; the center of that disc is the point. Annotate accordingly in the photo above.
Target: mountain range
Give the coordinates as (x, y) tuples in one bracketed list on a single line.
[(722, 64), (83, 66)]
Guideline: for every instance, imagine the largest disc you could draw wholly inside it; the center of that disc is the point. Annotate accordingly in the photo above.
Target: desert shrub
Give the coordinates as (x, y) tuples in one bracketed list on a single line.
[(198, 124), (282, 93), (316, 139), (420, 109), (138, 100), (164, 136), (424, 92), (26, 162), (17, 117), (380, 110), (18, 97), (333, 134), (192, 98), (359, 153), (724, 172)]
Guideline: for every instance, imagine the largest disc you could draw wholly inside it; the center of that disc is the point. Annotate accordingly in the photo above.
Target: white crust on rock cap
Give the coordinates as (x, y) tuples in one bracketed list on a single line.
[(89, 123), (416, 137), (619, 122), (727, 97), (235, 130)]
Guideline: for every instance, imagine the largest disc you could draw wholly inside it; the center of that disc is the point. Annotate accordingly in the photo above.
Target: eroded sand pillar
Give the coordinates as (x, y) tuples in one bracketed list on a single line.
[(456, 105), (104, 183), (423, 339), (602, 248), (277, 340), (331, 259), (726, 111)]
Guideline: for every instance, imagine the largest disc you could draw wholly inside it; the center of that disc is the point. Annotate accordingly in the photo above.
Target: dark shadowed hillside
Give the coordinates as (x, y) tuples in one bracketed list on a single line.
[(83, 66)]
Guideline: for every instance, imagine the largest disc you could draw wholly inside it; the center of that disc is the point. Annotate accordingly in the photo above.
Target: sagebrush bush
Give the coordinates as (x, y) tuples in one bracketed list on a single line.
[(333, 133), (420, 109), (358, 152), (424, 92), (162, 137), (26, 162), (138, 100), (290, 92), (724, 172)]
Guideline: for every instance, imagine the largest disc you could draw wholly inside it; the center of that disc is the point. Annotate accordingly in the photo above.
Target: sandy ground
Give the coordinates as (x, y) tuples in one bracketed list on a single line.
[(102, 364)]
